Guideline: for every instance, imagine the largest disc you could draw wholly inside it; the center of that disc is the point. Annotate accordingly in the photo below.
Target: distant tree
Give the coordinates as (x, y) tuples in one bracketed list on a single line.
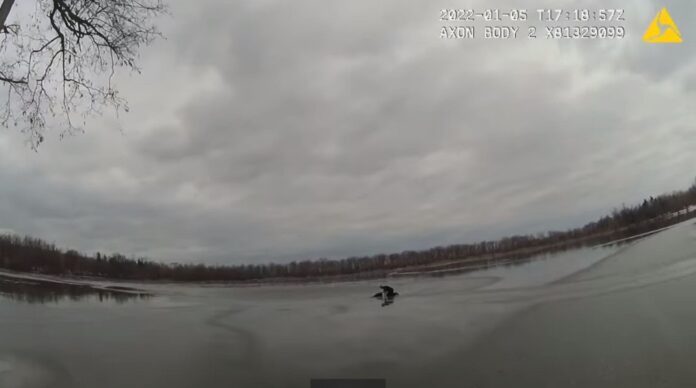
[(58, 59)]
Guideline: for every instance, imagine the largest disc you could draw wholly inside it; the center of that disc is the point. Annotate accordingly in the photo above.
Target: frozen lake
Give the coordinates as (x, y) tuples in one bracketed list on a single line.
[(615, 316)]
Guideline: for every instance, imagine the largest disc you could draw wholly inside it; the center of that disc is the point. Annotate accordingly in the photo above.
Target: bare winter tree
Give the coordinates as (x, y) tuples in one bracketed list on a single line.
[(58, 59)]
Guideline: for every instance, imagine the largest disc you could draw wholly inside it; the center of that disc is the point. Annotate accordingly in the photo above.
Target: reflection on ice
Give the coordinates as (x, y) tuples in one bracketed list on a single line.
[(36, 290), (545, 269)]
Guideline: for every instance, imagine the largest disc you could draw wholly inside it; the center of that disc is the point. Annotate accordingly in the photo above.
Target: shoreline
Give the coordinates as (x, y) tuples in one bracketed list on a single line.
[(452, 267), (447, 267)]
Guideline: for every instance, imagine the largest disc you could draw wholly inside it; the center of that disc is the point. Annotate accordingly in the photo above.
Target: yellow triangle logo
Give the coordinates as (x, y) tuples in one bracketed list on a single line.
[(662, 29)]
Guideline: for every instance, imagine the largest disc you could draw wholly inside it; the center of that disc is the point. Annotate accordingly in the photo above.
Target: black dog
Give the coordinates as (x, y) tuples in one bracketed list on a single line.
[(387, 292)]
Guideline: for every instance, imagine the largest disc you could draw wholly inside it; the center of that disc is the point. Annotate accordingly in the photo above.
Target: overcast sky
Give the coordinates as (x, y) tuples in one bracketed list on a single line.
[(274, 130)]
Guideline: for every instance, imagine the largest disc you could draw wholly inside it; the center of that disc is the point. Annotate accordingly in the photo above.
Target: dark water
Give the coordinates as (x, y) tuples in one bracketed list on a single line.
[(608, 317)]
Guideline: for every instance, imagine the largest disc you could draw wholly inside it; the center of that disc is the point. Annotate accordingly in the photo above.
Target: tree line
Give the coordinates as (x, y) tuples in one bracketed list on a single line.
[(28, 254)]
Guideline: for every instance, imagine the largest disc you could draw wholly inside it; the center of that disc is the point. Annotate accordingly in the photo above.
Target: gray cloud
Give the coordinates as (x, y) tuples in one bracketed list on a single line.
[(269, 131)]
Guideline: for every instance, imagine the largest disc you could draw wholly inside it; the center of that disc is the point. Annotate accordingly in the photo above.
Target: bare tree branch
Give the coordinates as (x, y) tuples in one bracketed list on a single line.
[(5, 12), (62, 65)]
